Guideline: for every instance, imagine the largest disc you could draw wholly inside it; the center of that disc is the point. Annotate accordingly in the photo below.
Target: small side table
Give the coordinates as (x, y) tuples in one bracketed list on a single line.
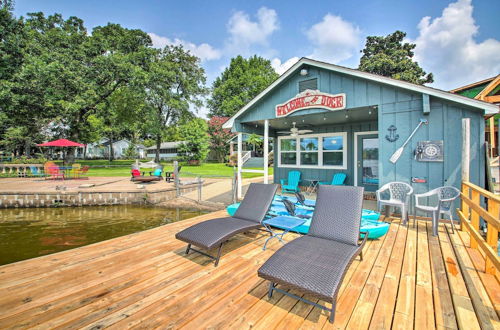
[(282, 222), (312, 186)]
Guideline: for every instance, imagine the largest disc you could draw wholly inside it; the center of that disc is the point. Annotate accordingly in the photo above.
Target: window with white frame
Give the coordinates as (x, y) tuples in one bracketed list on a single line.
[(313, 151)]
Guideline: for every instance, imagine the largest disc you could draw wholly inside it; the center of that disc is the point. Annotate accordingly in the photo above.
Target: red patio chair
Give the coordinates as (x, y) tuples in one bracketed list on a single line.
[(54, 173), (82, 171)]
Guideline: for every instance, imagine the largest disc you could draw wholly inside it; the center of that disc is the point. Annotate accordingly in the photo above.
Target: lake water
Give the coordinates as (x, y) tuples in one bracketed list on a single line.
[(32, 232)]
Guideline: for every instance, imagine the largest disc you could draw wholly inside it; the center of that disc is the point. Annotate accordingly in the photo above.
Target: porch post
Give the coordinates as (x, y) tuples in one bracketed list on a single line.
[(266, 150), (240, 164)]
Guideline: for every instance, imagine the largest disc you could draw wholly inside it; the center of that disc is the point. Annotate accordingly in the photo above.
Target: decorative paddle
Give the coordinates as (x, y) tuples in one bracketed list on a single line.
[(395, 156)]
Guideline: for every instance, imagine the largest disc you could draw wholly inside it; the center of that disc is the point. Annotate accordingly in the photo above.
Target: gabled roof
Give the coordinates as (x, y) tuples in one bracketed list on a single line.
[(487, 107), (478, 83)]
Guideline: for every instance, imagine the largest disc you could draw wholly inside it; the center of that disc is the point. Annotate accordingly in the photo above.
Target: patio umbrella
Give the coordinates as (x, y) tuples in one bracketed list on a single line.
[(61, 143)]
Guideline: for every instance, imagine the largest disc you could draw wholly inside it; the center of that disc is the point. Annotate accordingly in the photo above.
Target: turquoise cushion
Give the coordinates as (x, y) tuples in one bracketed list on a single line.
[(157, 172)]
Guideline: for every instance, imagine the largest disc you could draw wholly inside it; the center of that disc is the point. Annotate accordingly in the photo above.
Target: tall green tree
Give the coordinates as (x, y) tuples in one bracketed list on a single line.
[(68, 73), (174, 83), (240, 83), (196, 140), (390, 56), (121, 116)]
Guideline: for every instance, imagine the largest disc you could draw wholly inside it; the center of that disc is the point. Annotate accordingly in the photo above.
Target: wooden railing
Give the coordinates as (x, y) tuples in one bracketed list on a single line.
[(473, 200)]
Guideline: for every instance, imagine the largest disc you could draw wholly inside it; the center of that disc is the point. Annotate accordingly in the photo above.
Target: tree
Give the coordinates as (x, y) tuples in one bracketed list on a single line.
[(254, 140), (391, 57), (196, 141), (67, 73), (240, 83), (174, 82), (219, 137), (121, 115)]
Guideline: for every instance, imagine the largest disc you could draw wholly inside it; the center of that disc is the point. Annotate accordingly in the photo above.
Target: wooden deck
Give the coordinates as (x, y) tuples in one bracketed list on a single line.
[(407, 279)]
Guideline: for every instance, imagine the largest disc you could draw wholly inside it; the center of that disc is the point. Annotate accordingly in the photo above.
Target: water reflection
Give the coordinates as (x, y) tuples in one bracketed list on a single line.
[(28, 233)]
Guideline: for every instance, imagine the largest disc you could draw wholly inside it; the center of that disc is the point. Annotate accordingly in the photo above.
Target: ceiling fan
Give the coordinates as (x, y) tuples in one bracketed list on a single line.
[(294, 131)]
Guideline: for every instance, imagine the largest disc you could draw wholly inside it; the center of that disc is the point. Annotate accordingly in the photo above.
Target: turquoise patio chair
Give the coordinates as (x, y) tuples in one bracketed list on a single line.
[(292, 184), (338, 180), (36, 172)]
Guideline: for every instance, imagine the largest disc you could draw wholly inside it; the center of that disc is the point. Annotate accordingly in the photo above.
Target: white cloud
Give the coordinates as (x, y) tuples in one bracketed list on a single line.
[(245, 33), (334, 39), (204, 51), (446, 46), (281, 67)]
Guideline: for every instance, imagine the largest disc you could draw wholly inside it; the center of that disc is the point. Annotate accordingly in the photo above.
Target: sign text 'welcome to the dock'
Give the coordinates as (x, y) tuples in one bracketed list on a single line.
[(311, 99)]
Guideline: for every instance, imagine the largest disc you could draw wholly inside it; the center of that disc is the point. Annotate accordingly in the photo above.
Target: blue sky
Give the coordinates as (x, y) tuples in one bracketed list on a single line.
[(456, 40)]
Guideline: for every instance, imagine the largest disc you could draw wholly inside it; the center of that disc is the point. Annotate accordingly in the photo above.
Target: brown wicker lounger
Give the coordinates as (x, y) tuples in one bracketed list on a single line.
[(316, 264), (213, 233)]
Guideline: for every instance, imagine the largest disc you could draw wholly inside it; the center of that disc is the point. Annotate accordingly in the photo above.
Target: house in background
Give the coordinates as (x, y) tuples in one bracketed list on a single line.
[(168, 150), (101, 149), (486, 90)]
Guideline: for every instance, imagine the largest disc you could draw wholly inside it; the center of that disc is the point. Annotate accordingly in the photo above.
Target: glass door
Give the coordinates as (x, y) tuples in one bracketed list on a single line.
[(367, 161)]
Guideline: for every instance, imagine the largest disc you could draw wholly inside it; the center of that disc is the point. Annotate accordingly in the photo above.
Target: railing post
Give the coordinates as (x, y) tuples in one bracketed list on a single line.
[(465, 207), (492, 234), (176, 178), (474, 216)]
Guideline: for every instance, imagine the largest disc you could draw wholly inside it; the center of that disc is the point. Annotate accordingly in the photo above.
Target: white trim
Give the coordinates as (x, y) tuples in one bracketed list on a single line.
[(356, 134), (239, 191), (266, 151), (320, 151), (487, 107), (247, 170)]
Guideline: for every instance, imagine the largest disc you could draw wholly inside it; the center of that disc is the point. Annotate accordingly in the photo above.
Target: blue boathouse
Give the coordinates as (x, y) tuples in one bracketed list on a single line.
[(327, 119)]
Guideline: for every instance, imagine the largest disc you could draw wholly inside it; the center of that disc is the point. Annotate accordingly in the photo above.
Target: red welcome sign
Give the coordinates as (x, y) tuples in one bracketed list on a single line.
[(311, 99)]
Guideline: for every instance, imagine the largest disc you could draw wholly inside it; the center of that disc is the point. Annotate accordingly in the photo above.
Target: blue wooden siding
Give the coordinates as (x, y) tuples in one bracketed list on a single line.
[(398, 107)]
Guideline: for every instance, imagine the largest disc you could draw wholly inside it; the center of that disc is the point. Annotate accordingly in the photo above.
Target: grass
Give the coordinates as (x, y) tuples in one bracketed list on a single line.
[(204, 170)]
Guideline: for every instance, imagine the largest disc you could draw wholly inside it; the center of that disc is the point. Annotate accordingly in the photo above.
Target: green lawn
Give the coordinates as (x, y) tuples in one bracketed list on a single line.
[(204, 170)]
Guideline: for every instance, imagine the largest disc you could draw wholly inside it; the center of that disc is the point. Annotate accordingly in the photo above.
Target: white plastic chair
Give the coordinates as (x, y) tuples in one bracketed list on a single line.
[(445, 197), (399, 196)]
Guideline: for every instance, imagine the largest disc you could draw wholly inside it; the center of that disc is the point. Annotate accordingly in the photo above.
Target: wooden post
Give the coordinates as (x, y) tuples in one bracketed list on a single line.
[(465, 149), (266, 151), (240, 165), (492, 136), (474, 216), (176, 178), (465, 206), (465, 161), (492, 234)]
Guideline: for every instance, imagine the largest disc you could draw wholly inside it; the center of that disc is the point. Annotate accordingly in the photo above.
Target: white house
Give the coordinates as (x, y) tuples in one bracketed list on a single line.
[(101, 149), (168, 150)]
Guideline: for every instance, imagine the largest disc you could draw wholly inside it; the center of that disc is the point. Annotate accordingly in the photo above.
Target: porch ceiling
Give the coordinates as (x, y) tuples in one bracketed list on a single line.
[(320, 118)]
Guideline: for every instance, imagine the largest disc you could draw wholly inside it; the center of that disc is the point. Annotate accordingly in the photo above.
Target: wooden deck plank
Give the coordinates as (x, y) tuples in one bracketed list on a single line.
[(348, 299), (144, 280), (424, 312), (444, 312), (490, 281), (129, 306), (405, 305), (386, 302), (483, 307), (366, 303), (464, 310)]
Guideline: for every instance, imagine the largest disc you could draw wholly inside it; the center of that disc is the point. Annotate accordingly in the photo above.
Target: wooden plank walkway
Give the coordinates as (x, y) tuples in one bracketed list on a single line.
[(408, 279)]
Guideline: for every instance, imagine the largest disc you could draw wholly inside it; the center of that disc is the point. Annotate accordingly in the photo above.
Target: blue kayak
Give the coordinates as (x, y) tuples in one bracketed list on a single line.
[(369, 219)]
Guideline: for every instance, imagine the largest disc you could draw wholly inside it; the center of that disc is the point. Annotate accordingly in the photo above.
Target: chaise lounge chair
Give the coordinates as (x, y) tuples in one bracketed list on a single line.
[(213, 233), (315, 264)]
